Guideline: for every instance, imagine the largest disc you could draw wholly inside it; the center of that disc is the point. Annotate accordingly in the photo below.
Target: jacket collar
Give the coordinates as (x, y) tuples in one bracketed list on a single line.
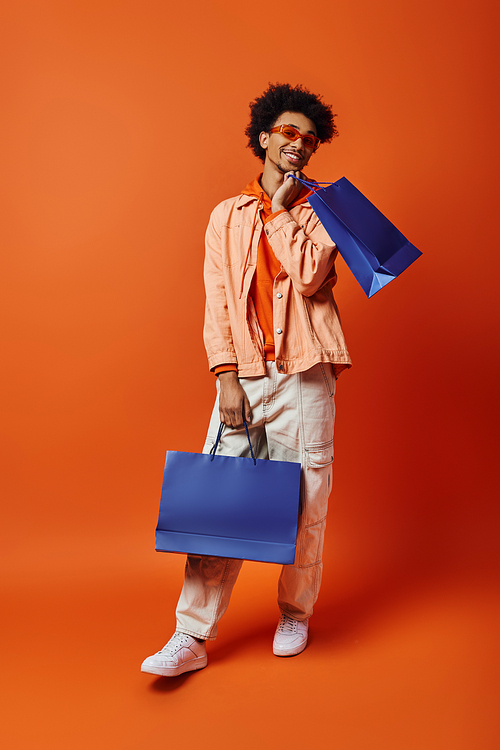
[(244, 200)]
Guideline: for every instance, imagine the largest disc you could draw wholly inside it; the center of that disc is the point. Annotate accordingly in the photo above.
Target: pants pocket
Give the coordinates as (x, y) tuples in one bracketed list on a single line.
[(317, 410), (329, 377), (319, 456), (209, 444), (311, 543), (317, 481)]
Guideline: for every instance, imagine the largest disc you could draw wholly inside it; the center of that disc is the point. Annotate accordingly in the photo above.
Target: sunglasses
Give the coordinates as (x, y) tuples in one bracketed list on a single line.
[(309, 141)]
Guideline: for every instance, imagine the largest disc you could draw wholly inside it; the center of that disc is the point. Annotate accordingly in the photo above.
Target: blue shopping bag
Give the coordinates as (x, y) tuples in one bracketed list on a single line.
[(229, 506), (373, 248)]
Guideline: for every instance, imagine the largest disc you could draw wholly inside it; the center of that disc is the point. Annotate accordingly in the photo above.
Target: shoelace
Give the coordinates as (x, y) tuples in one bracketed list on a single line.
[(174, 644), (287, 624)]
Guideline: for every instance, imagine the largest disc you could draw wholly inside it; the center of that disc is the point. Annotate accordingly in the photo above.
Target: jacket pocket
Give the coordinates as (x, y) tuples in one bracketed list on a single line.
[(319, 456)]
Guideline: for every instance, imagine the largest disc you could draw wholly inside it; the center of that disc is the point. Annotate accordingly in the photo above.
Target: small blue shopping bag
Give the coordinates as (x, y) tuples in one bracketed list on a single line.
[(373, 248)]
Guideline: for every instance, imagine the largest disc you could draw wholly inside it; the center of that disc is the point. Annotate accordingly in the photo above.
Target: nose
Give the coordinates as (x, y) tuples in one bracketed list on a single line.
[(298, 141)]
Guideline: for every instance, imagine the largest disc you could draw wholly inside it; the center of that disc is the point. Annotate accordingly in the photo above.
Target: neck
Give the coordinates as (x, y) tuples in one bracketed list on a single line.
[(272, 178)]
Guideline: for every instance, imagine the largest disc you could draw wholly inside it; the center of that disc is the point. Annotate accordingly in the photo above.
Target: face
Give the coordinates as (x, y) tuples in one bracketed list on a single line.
[(288, 155)]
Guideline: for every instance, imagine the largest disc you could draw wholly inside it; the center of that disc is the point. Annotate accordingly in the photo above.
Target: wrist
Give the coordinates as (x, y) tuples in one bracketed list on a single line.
[(275, 207), (228, 375)]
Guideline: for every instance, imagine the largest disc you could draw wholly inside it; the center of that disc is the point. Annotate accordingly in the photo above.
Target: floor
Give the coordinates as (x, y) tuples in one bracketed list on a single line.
[(403, 662)]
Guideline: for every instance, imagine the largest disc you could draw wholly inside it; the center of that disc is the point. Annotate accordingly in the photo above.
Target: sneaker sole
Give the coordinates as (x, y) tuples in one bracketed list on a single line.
[(190, 666), (291, 652)]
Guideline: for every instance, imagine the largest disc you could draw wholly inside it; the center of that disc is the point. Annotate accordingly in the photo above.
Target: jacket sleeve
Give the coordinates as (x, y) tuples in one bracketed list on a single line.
[(217, 333), (309, 259)]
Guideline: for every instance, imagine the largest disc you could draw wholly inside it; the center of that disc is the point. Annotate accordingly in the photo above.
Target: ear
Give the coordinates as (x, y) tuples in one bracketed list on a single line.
[(263, 139)]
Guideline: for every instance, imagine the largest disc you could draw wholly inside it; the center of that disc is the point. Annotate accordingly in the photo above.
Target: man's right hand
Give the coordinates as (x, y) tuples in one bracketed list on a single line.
[(233, 401)]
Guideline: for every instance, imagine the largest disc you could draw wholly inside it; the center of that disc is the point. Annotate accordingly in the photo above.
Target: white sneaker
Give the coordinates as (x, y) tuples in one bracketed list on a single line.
[(181, 654), (290, 637)]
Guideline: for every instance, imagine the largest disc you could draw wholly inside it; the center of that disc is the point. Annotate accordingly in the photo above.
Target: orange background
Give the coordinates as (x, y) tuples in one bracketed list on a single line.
[(122, 127)]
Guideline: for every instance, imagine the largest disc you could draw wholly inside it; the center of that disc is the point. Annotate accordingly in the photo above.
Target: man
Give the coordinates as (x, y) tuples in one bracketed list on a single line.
[(274, 341)]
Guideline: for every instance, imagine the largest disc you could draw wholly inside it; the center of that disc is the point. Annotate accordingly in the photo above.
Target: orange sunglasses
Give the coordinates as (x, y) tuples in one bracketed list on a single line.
[(309, 141)]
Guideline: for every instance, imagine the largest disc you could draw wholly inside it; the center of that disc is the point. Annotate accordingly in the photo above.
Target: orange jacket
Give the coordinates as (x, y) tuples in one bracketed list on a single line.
[(306, 321)]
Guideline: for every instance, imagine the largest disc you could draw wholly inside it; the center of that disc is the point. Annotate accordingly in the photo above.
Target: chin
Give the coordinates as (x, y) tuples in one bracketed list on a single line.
[(286, 167)]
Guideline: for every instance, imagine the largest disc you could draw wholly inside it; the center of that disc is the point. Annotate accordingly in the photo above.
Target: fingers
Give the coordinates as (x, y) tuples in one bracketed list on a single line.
[(234, 405), (293, 187), (226, 417), (247, 410), (231, 417), (234, 417)]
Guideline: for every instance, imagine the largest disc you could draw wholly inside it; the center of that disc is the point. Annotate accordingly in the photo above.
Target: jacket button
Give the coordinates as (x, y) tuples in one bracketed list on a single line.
[(279, 295), (280, 367), (267, 232), (278, 330)]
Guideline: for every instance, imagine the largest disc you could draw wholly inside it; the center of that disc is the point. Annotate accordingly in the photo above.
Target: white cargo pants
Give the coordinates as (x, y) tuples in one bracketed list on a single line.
[(292, 420)]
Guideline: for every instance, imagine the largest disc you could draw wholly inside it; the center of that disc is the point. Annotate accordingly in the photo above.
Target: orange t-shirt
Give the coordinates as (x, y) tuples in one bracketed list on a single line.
[(267, 268)]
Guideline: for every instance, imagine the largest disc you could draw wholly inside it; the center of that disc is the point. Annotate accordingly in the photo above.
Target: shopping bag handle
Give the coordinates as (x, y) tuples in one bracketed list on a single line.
[(313, 184), (317, 186), (219, 435)]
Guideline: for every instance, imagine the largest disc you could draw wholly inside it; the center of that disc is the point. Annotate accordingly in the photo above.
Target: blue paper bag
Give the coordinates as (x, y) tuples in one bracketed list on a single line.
[(373, 248), (228, 506)]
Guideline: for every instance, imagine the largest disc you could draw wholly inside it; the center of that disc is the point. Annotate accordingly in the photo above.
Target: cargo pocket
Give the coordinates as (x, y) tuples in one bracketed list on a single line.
[(317, 477), (319, 456), (311, 544)]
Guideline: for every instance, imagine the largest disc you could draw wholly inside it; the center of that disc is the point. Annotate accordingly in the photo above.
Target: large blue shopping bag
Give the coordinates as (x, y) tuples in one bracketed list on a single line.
[(228, 506), (373, 248)]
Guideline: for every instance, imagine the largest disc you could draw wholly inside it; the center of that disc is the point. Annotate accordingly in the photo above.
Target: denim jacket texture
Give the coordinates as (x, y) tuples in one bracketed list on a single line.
[(306, 319)]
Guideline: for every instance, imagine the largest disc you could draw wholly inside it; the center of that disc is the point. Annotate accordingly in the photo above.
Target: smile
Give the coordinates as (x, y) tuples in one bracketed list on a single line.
[(292, 156)]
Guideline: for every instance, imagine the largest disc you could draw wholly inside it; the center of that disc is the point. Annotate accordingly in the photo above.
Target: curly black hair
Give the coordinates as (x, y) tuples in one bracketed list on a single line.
[(279, 98)]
